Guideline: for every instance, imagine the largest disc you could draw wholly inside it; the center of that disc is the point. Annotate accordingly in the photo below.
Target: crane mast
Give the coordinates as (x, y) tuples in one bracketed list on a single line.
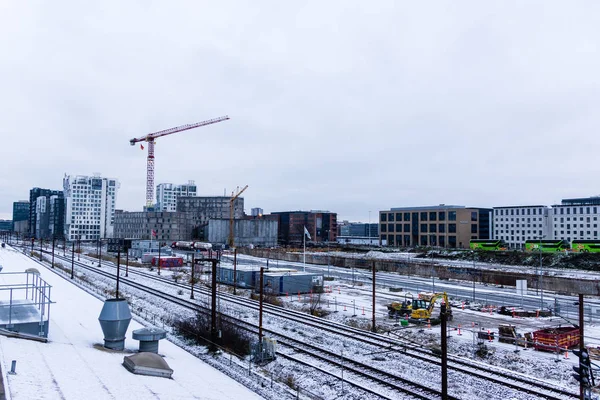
[(150, 140), (231, 201)]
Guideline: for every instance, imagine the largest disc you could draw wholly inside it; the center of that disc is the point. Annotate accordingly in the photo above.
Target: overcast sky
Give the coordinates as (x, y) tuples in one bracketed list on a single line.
[(349, 106)]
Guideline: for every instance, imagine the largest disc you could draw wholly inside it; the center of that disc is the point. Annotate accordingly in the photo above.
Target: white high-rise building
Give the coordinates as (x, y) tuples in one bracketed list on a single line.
[(167, 194), (517, 224), (89, 206), (576, 219)]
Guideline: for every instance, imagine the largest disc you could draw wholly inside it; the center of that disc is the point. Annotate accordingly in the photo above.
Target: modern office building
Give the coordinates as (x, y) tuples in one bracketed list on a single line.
[(39, 225), (6, 225), (167, 194), (517, 224), (576, 219), (257, 211), (359, 229), (321, 225), (155, 225), (20, 216), (196, 211), (437, 226), (89, 206)]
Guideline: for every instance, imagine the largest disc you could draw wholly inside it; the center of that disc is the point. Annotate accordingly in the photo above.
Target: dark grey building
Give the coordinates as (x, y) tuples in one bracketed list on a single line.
[(196, 211), (20, 213), (5, 225), (359, 229), (156, 225), (39, 225), (256, 232)]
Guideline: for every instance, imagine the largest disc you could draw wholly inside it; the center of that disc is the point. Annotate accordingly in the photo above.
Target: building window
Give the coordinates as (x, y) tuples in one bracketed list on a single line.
[(452, 228), (407, 228), (423, 240), (473, 215), (383, 228), (391, 217), (384, 217), (433, 216), (407, 216), (432, 228), (473, 228), (424, 228), (442, 215), (423, 216), (451, 215), (452, 241)]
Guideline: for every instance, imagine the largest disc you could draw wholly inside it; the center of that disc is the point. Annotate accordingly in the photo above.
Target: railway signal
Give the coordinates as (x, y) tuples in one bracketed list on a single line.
[(583, 373)]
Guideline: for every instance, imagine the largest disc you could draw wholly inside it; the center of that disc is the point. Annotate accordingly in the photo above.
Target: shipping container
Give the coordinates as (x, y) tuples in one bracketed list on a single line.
[(551, 339), (168, 262)]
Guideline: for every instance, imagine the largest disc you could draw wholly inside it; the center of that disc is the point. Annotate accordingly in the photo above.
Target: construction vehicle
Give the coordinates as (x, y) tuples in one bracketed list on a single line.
[(422, 308)]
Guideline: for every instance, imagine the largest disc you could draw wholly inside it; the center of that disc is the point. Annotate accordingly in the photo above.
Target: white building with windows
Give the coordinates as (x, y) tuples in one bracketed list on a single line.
[(576, 219), (167, 194), (89, 206), (516, 224)]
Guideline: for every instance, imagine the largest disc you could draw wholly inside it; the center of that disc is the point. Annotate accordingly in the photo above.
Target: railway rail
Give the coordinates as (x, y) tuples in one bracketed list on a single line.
[(506, 378)]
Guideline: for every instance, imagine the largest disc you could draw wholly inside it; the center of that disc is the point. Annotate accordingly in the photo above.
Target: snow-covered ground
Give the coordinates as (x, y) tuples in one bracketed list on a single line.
[(74, 365), (355, 299)]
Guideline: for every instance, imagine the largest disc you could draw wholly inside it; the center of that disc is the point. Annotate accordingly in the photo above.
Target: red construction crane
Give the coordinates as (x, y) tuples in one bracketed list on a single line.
[(149, 138)]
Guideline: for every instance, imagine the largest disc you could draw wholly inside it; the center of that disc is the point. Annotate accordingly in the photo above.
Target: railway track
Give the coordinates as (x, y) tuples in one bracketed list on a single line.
[(357, 370), (502, 377)]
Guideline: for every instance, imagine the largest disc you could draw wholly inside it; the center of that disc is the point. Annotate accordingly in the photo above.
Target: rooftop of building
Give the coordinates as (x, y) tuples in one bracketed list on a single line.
[(442, 207), (523, 206), (303, 212)]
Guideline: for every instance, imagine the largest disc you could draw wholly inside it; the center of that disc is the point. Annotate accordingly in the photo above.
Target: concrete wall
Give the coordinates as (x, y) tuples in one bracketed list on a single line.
[(561, 285), (258, 232)]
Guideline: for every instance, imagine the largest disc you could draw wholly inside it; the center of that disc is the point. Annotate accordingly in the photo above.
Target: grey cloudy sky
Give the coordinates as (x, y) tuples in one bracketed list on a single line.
[(349, 106)]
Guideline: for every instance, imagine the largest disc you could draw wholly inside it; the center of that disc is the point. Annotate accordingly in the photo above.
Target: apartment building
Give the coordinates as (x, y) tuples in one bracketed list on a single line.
[(42, 226), (89, 206), (437, 226), (517, 224), (150, 225), (167, 194)]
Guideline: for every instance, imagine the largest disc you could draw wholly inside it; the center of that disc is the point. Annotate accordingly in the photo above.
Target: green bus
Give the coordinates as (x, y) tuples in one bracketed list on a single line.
[(547, 246), (487, 244), (586, 246)]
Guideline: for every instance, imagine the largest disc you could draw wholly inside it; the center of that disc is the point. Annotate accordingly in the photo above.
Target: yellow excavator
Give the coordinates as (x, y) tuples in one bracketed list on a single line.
[(422, 308)]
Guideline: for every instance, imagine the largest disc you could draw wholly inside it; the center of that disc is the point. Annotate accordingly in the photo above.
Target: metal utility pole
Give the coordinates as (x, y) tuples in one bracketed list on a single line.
[(41, 250), (79, 248), (444, 354), (150, 139), (118, 272), (32, 242), (234, 196), (234, 271), (100, 256), (53, 239), (374, 329), (213, 305), (193, 268), (581, 344), (158, 262), (73, 261), (260, 307), (540, 283), (127, 263)]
